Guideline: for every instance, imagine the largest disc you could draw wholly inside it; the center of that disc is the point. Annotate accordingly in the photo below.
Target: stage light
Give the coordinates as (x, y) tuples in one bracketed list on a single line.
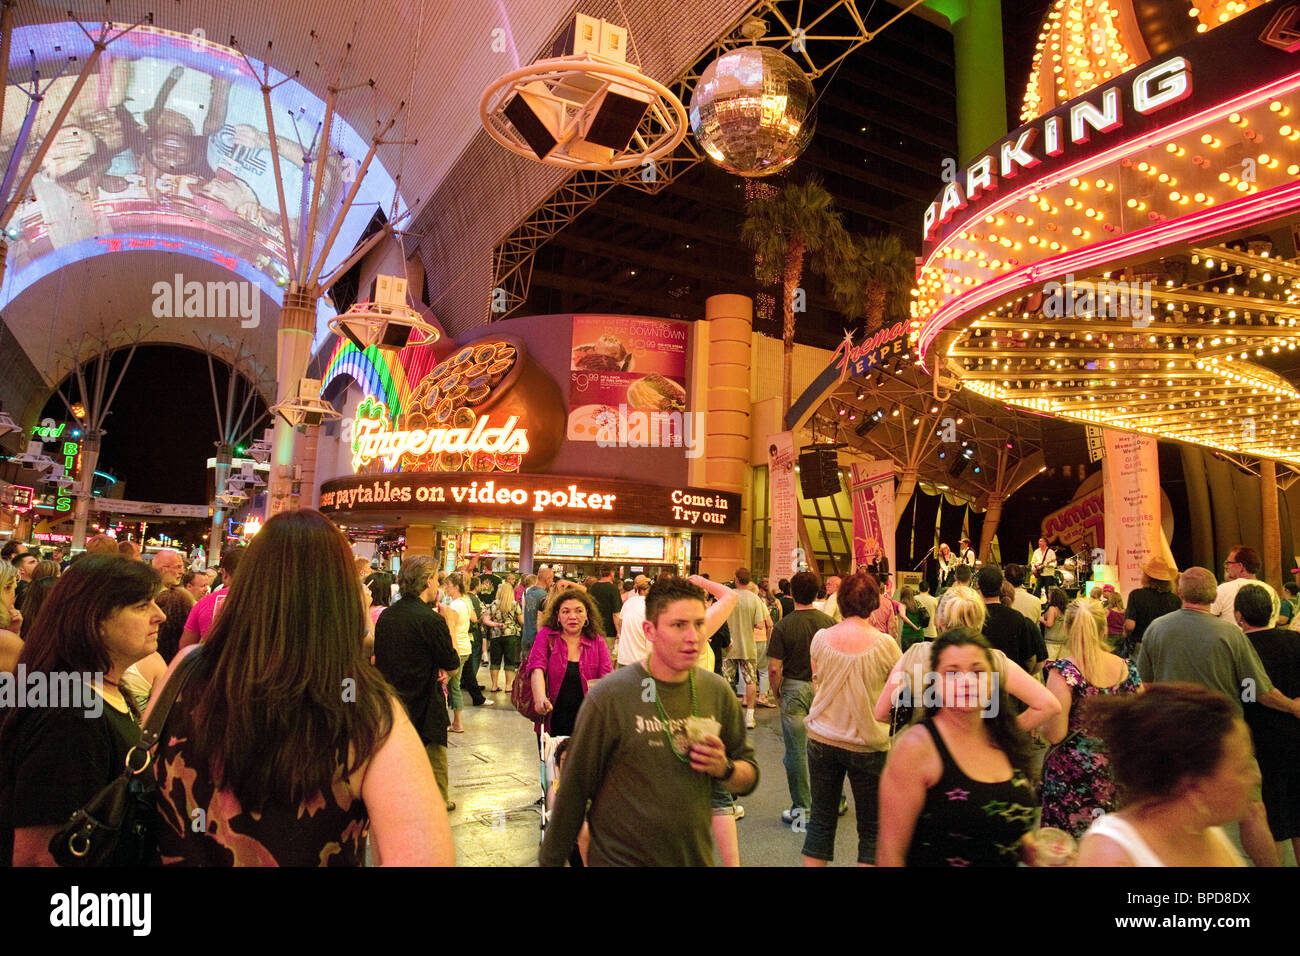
[(870, 423)]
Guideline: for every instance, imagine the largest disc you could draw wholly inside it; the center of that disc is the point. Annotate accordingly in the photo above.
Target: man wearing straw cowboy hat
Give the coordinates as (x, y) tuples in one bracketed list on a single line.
[(1145, 604)]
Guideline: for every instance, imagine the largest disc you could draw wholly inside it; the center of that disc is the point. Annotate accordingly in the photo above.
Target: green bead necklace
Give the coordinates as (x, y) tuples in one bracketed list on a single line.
[(663, 717)]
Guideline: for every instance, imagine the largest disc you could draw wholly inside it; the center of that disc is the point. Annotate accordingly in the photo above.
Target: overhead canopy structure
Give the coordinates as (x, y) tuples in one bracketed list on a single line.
[(166, 156), (875, 401)]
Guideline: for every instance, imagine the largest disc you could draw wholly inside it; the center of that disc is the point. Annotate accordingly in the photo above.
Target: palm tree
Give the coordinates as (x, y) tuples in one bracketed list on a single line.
[(799, 221), (876, 278)]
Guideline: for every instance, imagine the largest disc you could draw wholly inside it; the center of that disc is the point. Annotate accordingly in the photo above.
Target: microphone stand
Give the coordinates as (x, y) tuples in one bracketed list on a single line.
[(924, 557)]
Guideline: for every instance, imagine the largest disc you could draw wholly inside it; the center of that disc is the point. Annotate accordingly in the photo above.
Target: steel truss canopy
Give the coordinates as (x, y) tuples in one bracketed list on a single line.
[(1128, 258), (402, 76), (956, 442), (817, 36)]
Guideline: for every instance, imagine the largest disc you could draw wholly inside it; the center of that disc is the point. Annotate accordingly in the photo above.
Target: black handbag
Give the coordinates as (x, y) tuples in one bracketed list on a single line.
[(118, 825)]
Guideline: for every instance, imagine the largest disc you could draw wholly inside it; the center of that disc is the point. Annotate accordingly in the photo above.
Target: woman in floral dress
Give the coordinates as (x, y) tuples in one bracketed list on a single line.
[(1077, 783)]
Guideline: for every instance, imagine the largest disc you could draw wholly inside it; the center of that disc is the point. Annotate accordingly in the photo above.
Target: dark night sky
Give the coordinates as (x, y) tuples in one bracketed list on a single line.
[(161, 428)]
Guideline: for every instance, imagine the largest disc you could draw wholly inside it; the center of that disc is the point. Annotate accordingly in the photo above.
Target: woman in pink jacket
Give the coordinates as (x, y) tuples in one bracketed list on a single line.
[(568, 653)]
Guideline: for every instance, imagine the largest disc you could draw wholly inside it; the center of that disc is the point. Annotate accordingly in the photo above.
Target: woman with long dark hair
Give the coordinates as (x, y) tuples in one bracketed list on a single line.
[(569, 652), (37, 593), (956, 790), (100, 619), (285, 740)]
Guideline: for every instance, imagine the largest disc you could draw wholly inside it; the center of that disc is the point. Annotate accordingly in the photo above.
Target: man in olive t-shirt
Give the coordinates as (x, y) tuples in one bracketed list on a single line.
[(650, 788)]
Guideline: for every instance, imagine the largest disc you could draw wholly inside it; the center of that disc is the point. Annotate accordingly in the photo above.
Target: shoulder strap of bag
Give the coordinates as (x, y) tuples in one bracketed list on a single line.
[(158, 716)]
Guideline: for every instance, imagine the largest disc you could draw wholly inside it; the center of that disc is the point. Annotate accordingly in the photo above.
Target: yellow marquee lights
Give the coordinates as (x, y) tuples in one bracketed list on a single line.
[(1190, 365), (1105, 371), (1084, 43)]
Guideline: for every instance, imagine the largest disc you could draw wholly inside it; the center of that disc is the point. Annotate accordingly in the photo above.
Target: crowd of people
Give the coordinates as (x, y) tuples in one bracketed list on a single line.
[(312, 695)]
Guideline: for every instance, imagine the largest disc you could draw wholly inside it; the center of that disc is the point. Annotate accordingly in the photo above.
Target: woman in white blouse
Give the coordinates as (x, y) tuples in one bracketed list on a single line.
[(850, 663)]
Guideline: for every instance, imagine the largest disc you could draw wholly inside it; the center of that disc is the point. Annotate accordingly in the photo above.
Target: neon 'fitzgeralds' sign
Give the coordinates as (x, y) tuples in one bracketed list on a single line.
[(372, 438), (1154, 88)]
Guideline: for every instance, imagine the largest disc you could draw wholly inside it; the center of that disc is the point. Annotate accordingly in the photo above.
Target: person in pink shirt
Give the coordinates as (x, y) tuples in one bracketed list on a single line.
[(205, 609), (569, 652)]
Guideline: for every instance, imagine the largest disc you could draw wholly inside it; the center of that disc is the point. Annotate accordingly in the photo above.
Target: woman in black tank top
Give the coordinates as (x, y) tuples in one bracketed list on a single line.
[(956, 790)]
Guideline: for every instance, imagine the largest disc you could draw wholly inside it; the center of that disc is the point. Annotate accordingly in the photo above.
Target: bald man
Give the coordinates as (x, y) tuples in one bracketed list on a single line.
[(170, 567)]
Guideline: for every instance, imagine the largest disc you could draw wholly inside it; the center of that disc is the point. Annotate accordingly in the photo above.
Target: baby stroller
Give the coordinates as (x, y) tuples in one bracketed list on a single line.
[(550, 773), (552, 747)]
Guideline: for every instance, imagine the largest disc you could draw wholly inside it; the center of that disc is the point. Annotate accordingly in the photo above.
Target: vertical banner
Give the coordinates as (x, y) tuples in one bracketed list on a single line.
[(872, 489), (1132, 488), (784, 558)]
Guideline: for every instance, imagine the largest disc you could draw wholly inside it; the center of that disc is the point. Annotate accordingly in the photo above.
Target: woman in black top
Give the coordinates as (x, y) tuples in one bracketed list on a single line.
[(956, 790), (99, 620)]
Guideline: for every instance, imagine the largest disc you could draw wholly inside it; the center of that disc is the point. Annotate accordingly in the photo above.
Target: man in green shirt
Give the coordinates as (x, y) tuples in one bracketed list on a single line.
[(640, 755)]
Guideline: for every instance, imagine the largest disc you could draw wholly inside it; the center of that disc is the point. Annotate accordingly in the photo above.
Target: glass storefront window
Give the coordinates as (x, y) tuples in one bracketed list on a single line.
[(829, 522), (762, 527)]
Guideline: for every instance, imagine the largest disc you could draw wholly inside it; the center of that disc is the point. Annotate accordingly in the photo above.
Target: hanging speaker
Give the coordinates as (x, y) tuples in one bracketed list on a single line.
[(352, 336), (537, 119), (616, 113), (819, 473), (395, 336)]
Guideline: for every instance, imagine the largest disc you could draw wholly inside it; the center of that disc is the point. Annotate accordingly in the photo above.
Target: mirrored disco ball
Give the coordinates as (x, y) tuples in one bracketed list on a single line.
[(752, 111)]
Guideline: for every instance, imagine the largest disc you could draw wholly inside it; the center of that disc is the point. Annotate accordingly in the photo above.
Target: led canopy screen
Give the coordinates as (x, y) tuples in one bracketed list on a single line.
[(167, 148)]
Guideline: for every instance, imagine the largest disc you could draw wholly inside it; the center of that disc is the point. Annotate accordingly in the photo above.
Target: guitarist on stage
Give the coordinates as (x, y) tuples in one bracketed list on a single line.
[(1043, 564), (947, 565)]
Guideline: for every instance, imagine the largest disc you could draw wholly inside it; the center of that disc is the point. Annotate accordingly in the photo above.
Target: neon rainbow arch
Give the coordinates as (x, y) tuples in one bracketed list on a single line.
[(372, 372)]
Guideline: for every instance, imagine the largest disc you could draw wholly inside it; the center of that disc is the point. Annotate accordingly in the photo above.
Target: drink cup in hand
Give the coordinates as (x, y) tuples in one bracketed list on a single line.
[(1054, 847)]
